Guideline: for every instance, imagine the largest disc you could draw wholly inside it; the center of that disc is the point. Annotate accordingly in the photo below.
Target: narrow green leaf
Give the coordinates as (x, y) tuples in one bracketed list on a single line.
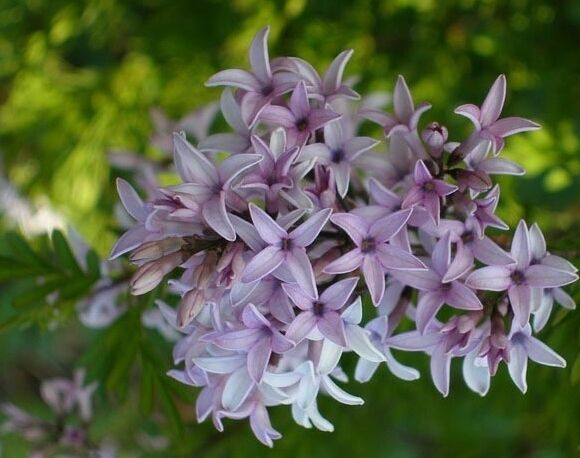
[(147, 391), (64, 253), (168, 404)]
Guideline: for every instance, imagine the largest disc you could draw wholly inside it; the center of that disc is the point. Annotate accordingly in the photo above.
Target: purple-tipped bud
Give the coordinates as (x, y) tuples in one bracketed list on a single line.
[(434, 136), (149, 275)]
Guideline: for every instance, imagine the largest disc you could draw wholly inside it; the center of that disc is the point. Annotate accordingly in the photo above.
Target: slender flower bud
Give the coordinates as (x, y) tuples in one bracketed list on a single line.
[(149, 275), (434, 136)]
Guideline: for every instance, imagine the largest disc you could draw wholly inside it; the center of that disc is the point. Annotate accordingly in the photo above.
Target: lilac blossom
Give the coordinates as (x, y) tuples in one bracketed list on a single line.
[(486, 118), (338, 153), (373, 254), (299, 118), (427, 191), (521, 278), (265, 309)]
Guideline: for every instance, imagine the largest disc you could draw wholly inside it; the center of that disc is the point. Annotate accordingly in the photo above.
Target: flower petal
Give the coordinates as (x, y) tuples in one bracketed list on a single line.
[(264, 263), (299, 265), (307, 232), (491, 278), (235, 78), (215, 215), (354, 225), (374, 276), (259, 59), (346, 263), (336, 295), (268, 229)]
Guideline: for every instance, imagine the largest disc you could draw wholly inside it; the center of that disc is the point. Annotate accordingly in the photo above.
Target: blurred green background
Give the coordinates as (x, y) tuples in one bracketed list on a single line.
[(77, 79)]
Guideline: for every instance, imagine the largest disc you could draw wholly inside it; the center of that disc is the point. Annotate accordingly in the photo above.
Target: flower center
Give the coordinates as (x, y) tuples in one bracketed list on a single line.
[(429, 186), (302, 124), (318, 308), (286, 244), (368, 245), (337, 155), (518, 277), (267, 90)]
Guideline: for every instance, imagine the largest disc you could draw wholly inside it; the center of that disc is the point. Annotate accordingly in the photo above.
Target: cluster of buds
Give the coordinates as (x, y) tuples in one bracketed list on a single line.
[(282, 229)]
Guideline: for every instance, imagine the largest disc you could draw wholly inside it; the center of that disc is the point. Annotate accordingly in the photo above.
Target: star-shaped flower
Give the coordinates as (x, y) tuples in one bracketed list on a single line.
[(373, 252), (209, 185), (299, 119), (338, 153), (486, 119), (284, 247)]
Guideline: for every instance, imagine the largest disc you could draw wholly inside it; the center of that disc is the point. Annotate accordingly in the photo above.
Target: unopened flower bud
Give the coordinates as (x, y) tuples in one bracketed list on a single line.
[(434, 136), (154, 250), (189, 307), (149, 275)]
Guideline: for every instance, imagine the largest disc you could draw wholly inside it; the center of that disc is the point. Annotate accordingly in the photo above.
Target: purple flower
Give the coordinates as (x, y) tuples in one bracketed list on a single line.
[(427, 191), (439, 285), (284, 247), (273, 173), (523, 347), (261, 86), (486, 119), (406, 116), (320, 317), (328, 88), (338, 153), (259, 339), (299, 119), (373, 253), (520, 278), (209, 185)]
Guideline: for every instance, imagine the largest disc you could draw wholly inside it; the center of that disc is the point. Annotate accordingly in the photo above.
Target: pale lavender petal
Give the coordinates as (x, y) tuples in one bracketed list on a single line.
[(512, 125), (232, 113), (297, 295), (307, 232), (235, 78), (487, 251), (374, 276), (386, 228), (471, 112), (129, 241), (537, 242), (393, 258), (521, 303), (564, 299), (491, 278), (462, 262), (499, 166), (259, 59), (517, 366), (402, 100), (440, 367), (252, 318), (258, 358), (261, 426), (358, 339), (336, 295), (247, 233), (281, 343), (215, 215), (299, 104), (421, 173), (191, 165), (331, 326), (461, 297), (278, 116), (346, 263), (264, 263), (301, 269), (220, 364), (365, 370), (319, 118), (476, 377), (228, 142), (237, 389), (131, 200), (268, 229), (413, 341), (234, 165), (333, 76), (339, 394), (520, 249), (444, 189), (493, 103), (237, 340), (354, 225), (540, 276), (423, 280), (382, 195), (342, 176), (301, 327), (559, 263), (540, 353), (429, 304), (356, 146), (318, 151), (400, 370), (441, 255)]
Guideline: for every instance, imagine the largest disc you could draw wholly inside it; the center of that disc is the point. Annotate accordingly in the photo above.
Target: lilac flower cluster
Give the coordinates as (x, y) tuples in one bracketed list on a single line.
[(280, 239)]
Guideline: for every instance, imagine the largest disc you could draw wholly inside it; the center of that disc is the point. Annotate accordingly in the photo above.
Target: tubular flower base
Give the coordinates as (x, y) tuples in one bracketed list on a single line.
[(278, 245)]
